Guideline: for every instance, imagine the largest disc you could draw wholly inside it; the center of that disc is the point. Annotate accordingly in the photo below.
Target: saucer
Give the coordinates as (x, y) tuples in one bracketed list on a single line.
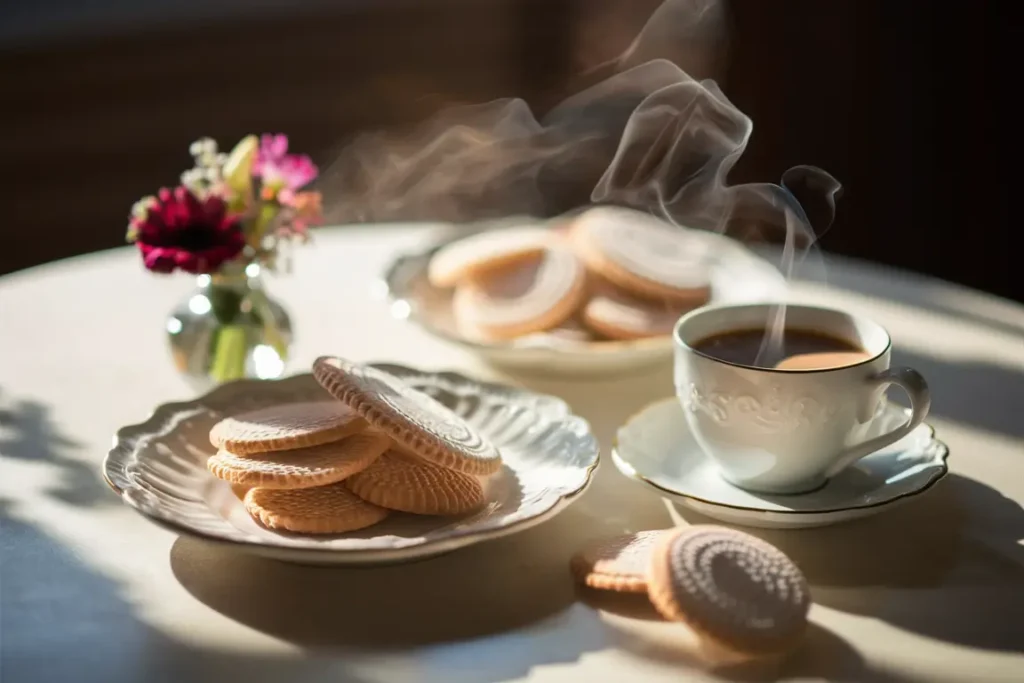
[(738, 275), (158, 467), (656, 449)]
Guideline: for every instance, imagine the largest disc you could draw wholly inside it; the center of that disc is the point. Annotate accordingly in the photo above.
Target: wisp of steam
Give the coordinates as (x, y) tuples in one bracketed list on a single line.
[(646, 135)]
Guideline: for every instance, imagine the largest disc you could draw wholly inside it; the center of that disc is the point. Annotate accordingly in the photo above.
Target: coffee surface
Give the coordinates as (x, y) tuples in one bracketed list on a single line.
[(757, 348)]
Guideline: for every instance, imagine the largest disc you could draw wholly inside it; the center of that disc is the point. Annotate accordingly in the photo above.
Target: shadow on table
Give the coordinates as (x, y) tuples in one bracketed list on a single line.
[(976, 392), (91, 633), (822, 655), (979, 394), (28, 432), (480, 590), (948, 565)]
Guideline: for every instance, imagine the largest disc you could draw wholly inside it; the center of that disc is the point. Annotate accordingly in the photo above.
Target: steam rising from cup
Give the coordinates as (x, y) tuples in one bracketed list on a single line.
[(647, 135)]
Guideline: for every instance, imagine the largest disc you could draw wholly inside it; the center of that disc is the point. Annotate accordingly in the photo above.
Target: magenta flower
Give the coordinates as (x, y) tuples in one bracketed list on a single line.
[(280, 170), (177, 230)]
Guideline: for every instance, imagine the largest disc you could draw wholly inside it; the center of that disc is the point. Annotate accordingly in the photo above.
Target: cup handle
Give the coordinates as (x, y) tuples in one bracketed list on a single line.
[(913, 383)]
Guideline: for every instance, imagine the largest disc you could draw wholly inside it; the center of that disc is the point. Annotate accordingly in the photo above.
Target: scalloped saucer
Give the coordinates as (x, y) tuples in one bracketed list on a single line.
[(656, 449), (158, 468)]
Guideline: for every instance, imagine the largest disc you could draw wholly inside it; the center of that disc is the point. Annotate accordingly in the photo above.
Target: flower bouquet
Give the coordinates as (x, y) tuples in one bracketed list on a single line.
[(231, 218)]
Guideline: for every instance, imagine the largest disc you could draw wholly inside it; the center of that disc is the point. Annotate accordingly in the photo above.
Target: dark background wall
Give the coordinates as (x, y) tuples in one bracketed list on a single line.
[(906, 103)]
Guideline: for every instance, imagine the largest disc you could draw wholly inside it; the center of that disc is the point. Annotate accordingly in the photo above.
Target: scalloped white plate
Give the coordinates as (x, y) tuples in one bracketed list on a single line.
[(738, 276), (159, 468)]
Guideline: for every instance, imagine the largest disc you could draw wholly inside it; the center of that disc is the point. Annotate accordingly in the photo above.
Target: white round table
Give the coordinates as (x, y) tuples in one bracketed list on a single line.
[(91, 591)]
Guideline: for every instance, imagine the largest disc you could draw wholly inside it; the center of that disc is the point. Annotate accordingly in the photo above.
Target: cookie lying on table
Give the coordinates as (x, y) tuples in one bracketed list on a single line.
[(741, 597)]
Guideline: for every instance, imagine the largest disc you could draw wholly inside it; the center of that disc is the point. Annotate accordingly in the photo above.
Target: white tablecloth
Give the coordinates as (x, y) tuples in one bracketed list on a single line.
[(931, 591)]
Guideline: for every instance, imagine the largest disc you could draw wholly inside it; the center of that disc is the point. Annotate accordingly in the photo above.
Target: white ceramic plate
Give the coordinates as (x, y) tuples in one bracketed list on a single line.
[(656, 449), (738, 276), (159, 469)]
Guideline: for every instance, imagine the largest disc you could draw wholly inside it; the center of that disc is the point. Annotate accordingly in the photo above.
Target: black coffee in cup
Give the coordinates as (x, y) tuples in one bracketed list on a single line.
[(791, 350)]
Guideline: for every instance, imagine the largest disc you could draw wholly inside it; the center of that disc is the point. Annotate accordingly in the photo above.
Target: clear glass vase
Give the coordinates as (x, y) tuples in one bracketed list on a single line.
[(228, 329)]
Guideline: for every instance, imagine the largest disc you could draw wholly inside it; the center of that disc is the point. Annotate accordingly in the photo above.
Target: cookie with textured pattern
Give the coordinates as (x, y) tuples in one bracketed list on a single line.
[(740, 593), (301, 467), (285, 426), (330, 509), (643, 255), (616, 564), (483, 253), (399, 481), (414, 421)]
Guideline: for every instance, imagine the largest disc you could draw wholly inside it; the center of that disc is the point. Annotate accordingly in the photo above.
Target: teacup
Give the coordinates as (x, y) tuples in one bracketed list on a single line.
[(788, 431)]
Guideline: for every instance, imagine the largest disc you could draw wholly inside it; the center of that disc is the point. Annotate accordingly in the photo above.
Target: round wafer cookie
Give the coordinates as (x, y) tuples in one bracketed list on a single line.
[(739, 592), (643, 255), (301, 467), (330, 509), (415, 421), (398, 481), (617, 564), (484, 252), (285, 426), (526, 298), (615, 314)]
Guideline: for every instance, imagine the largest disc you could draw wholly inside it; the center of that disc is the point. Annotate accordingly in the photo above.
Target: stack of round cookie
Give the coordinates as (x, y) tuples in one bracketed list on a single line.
[(741, 597), (333, 466), (608, 273)]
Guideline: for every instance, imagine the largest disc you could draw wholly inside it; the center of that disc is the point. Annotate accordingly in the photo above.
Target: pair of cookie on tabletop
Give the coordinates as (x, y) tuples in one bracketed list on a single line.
[(741, 597), (608, 273), (332, 466)]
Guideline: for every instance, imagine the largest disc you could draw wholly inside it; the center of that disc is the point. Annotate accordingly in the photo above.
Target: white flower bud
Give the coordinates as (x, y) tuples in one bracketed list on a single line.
[(141, 207), (192, 178)]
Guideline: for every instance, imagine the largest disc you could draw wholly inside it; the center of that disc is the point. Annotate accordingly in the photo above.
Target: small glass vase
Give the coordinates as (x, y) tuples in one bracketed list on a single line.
[(228, 329)]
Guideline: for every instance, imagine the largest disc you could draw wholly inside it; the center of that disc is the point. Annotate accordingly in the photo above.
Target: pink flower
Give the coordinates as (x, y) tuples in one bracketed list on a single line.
[(178, 230), (305, 210), (280, 170)]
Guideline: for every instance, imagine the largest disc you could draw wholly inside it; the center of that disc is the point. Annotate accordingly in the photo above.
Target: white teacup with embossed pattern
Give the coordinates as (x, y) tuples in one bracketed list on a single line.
[(787, 431)]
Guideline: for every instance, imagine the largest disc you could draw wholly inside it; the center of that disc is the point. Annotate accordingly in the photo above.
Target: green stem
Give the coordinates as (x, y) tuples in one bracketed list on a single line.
[(228, 354), (271, 334), (264, 217), (225, 302), (229, 350)]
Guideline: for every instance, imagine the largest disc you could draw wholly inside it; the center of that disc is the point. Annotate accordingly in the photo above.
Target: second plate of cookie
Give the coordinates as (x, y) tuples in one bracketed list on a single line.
[(591, 294), (305, 490)]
